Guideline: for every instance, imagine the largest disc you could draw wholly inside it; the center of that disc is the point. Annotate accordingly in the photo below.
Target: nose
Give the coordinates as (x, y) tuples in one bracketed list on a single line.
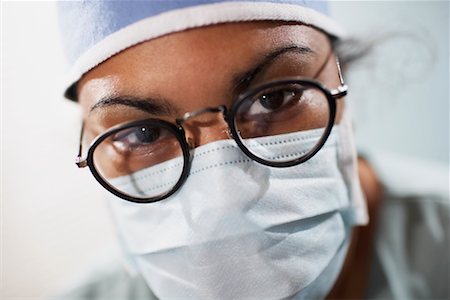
[(201, 132), (205, 126)]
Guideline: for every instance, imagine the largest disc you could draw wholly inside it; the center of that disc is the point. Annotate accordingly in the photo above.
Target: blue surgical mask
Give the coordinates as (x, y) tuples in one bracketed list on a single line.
[(241, 230)]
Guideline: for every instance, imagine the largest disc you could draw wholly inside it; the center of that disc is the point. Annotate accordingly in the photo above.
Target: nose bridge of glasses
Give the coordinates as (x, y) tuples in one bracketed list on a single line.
[(205, 125)]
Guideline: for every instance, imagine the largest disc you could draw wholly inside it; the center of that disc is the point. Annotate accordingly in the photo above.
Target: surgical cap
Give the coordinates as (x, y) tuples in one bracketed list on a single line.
[(93, 31)]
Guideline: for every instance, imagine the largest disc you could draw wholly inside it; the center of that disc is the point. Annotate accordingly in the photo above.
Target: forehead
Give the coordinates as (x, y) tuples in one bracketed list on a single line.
[(206, 55)]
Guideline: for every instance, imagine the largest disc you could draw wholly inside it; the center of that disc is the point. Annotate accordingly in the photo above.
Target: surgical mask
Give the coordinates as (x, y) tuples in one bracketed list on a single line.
[(241, 230)]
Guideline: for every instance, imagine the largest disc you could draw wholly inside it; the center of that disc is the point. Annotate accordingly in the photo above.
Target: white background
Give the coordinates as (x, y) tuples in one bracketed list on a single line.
[(54, 224), (400, 94)]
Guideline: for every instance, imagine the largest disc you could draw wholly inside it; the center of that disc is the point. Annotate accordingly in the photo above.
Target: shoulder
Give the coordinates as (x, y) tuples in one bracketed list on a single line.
[(411, 250)]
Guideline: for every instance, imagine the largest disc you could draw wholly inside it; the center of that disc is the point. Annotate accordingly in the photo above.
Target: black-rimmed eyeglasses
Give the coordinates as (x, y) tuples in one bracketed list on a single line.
[(126, 156)]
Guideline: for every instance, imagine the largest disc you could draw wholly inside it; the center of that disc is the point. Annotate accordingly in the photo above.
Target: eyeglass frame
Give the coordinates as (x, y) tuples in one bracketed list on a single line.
[(179, 132)]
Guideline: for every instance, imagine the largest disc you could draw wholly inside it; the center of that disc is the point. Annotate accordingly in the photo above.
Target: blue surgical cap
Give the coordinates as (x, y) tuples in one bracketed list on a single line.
[(95, 30)]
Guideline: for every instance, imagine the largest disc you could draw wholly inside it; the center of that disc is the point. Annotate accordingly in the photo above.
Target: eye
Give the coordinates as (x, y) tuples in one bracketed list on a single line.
[(270, 101), (135, 138)]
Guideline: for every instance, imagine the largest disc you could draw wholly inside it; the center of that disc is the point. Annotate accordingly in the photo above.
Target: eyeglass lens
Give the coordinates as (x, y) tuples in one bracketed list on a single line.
[(279, 112), (142, 161)]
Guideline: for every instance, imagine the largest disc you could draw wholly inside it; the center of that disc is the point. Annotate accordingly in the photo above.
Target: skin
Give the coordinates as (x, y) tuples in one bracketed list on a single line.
[(198, 68)]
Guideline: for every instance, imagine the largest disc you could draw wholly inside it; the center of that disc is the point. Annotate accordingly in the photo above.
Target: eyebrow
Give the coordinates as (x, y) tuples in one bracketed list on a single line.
[(152, 105), (161, 106), (243, 80)]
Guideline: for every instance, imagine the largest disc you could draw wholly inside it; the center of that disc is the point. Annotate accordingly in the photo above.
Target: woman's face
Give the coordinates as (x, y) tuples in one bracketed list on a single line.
[(204, 67)]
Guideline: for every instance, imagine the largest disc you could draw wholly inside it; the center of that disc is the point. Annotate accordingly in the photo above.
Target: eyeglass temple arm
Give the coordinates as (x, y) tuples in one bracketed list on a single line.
[(79, 161), (341, 90)]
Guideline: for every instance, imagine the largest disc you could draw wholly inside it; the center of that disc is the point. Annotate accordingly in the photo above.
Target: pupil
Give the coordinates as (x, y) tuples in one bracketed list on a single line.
[(148, 135), (272, 100)]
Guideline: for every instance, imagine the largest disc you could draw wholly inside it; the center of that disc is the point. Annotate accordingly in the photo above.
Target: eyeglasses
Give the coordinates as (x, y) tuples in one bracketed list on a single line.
[(129, 156)]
